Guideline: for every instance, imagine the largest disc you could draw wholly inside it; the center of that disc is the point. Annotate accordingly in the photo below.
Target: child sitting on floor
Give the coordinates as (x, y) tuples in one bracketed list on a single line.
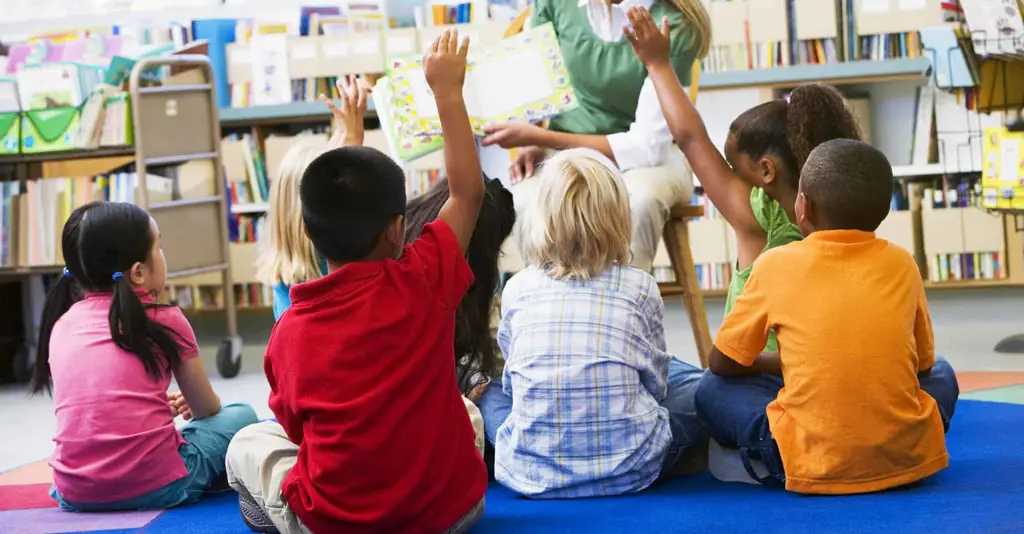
[(754, 187), (590, 403), (862, 403), (287, 257), (475, 349), (110, 352), (372, 433)]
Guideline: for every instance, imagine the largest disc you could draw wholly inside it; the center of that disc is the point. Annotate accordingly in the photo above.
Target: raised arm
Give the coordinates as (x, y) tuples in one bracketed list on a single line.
[(348, 118), (445, 69), (729, 193)]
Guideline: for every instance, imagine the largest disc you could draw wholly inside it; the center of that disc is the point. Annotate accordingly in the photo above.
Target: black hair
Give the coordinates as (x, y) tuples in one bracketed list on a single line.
[(99, 240), (475, 349), (849, 183), (349, 196), (789, 130)]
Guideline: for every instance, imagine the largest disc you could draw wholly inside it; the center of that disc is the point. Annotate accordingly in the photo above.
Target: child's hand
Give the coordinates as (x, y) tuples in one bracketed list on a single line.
[(444, 65), (348, 119), (179, 406), (650, 43)]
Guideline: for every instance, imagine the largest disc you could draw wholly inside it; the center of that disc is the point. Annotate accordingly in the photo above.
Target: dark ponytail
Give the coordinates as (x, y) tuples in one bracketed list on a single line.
[(790, 130), (58, 301), (100, 241), (475, 350)]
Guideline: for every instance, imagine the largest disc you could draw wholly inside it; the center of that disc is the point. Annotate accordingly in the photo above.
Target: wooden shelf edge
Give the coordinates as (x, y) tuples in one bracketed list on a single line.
[(282, 114), (972, 284), (29, 270), (68, 155)]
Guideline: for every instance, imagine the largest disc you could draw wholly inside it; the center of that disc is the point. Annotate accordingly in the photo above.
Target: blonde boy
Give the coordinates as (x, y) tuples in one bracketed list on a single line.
[(590, 403)]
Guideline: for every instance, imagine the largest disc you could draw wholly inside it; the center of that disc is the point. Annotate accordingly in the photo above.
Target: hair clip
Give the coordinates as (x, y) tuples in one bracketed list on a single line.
[(116, 276), (66, 272)]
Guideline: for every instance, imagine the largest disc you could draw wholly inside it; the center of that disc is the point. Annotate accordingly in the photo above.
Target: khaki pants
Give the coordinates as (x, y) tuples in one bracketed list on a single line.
[(652, 193), (261, 455)]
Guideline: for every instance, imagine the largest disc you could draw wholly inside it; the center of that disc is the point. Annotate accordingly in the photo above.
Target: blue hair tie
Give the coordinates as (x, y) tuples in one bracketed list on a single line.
[(116, 276), (66, 272)]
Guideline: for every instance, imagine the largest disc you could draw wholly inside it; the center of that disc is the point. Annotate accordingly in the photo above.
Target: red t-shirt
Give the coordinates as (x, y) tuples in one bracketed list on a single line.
[(362, 378)]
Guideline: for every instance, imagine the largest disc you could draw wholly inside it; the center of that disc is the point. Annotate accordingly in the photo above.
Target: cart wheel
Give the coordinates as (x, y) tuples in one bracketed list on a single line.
[(229, 358), (22, 365)]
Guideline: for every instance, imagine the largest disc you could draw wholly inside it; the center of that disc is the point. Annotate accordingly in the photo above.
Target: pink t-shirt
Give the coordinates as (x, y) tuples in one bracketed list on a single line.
[(115, 430)]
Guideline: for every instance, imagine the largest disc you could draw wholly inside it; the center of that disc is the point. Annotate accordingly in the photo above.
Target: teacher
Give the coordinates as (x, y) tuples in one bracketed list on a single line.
[(619, 114)]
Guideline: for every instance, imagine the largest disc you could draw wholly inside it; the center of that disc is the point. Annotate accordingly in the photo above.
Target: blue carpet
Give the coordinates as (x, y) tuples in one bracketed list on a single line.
[(981, 491)]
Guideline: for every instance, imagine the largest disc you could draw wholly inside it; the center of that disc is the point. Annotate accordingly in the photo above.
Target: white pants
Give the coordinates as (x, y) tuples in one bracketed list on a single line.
[(260, 457), (652, 193)]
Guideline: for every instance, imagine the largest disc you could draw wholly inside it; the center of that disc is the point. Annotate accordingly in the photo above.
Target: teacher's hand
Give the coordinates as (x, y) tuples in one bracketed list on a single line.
[(526, 162), (513, 134)]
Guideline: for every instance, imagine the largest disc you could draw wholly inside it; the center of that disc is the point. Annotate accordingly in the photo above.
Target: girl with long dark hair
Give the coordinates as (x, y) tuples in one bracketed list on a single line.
[(107, 353)]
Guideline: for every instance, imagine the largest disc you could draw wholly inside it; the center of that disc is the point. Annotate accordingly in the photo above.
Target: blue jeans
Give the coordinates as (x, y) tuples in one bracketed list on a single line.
[(687, 431), (206, 444), (733, 411)]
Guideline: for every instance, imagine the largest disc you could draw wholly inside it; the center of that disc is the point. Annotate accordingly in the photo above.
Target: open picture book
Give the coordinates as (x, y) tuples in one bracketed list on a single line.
[(520, 78)]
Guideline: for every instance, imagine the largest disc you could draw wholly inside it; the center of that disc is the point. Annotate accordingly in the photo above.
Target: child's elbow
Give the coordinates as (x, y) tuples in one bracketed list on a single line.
[(721, 365)]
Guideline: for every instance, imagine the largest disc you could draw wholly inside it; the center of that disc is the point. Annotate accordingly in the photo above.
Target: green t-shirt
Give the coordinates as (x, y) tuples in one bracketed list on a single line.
[(781, 231)]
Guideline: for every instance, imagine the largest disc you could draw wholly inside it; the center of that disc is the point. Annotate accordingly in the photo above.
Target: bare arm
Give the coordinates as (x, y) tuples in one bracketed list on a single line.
[(564, 140), (195, 386), (445, 70), (729, 193), (766, 362)]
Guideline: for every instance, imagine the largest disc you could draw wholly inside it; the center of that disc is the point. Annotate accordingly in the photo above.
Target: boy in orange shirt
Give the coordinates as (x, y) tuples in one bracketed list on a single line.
[(862, 404)]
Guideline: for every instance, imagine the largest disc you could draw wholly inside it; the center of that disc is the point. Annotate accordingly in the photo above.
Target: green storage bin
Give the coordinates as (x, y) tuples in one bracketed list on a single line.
[(49, 130), (10, 133)]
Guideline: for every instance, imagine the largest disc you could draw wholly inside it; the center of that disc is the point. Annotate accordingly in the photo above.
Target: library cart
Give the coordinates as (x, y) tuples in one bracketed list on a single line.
[(174, 123)]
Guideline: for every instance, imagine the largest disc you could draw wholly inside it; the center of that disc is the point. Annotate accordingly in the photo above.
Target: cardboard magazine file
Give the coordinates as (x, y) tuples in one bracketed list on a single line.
[(815, 19), (352, 53), (191, 228), (729, 22), (196, 280), (243, 262), (10, 133), (768, 21), (276, 147), (983, 231), (943, 230), (480, 33), (49, 130), (196, 179), (239, 63), (898, 229), (401, 42), (176, 122), (876, 17), (305, 59)]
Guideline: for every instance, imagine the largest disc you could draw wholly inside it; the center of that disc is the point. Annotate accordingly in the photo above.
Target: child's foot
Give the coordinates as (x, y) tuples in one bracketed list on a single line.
[(253, 514), (693, 461)]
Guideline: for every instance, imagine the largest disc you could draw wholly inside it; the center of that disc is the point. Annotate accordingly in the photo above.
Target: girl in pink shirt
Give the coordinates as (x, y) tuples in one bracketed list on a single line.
[(107, 352)]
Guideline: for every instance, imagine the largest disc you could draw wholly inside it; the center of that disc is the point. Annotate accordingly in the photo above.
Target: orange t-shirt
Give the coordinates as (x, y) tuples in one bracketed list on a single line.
[(854, 331)]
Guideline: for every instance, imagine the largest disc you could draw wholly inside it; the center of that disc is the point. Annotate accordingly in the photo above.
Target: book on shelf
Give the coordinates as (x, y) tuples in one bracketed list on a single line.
[(520, 78), (245, 170), (33, 212), (962, 242)]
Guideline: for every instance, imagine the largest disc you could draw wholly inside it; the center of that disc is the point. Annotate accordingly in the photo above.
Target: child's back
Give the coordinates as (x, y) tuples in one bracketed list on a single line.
[(115, 432), (568, 343), (374, 435), (854, 333)]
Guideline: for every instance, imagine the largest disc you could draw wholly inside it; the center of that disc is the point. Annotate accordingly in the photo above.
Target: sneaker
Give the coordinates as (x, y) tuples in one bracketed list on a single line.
[(253, 514)]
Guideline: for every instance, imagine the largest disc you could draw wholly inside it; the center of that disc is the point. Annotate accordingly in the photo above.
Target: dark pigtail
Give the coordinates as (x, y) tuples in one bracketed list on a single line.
[(475, 348), (134, 331), (59, 300), (817, 113), (100, 241), (790, 130)]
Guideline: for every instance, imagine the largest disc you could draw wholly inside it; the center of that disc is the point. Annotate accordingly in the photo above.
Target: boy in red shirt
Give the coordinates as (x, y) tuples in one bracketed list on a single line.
[(373, 433)]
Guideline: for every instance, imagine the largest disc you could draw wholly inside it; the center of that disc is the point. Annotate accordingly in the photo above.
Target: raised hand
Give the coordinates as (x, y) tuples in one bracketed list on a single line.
[(650, 43), (444, 65), (348, 118)]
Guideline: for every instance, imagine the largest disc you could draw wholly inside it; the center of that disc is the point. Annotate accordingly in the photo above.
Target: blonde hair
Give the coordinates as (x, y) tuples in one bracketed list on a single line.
[(286, 254), (579, 226)]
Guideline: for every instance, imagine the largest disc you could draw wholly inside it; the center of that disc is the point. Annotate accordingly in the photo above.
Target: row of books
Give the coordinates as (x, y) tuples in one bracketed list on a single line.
[(966, 266), (33, 213), (710, 276), (757, 34)]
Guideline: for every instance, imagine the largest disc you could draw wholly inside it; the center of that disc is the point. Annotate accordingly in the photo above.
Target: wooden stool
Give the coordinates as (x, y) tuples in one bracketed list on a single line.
[(677, 244)]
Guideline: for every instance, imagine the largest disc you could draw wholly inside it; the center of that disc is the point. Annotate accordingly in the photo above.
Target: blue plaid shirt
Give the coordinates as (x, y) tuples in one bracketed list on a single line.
[(586, 367)]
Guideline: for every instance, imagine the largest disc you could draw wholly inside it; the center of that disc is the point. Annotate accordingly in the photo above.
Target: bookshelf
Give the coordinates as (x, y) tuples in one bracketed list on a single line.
[(172, 125)]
